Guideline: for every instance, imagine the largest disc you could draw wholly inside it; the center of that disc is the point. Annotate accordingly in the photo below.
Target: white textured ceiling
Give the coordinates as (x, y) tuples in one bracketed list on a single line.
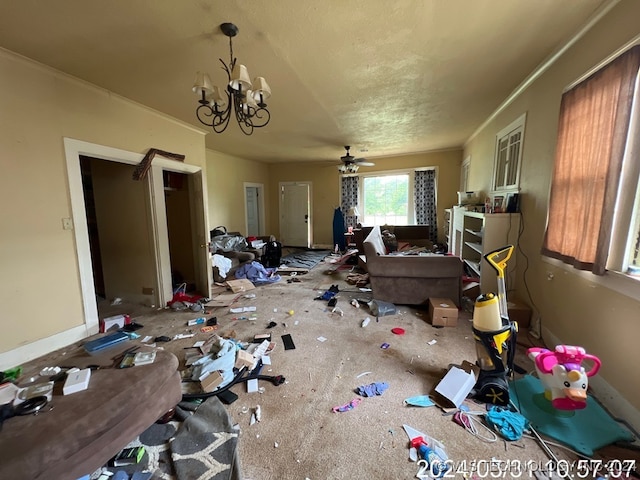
[(389, 77)]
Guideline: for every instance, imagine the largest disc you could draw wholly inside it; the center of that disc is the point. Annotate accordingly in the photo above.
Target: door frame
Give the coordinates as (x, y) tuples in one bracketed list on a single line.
[(309, 185), (157, 218), (261, 210)]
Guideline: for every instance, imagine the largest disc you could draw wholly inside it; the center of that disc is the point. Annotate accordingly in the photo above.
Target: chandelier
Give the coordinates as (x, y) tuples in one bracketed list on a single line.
[(245, 99)]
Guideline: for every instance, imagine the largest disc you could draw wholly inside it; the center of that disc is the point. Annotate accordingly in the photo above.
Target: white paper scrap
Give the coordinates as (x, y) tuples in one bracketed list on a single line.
[(266, 360), (321, 339), (432, 342), (252, 385), (242, 309), (147, 339)]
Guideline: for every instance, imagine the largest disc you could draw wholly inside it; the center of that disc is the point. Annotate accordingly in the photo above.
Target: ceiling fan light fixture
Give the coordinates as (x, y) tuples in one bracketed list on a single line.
[(247, 102)]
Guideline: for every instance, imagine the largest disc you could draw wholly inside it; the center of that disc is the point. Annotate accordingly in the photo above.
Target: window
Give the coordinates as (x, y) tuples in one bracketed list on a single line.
[(386, 200), (464, 174), (506, 168), (594, 204)]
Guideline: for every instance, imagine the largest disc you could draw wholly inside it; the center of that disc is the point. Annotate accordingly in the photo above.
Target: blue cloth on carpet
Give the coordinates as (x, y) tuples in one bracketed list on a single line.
[(257, 273), (510, 425), (373, 389)]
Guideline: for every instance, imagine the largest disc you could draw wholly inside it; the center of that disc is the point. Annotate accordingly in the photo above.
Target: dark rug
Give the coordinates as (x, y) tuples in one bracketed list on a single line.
[(304, 259), (203, 446)]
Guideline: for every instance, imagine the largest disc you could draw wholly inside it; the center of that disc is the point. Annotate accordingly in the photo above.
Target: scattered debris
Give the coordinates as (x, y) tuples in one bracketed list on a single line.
[(397, 331), (363, 374), (432, 342), (372, 389), (365, 322), (419, 401), (384, 346), (347, 406), (321, 339)]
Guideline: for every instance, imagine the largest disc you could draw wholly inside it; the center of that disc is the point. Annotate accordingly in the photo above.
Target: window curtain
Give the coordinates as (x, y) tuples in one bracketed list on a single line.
[(349, 196), (592, 133), (425, 201)]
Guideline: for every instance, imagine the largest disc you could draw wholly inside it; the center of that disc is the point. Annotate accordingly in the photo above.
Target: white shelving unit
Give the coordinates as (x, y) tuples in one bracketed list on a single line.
[(447, 228), (483, 233), (456, 227)]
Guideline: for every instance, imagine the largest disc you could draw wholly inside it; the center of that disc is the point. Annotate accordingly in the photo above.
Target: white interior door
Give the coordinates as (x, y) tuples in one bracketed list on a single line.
[(200, 237), (295, 221), (254, 208)]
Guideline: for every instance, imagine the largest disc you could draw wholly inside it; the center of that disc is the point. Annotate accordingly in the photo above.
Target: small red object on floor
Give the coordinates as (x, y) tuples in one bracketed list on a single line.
[(398, 330)]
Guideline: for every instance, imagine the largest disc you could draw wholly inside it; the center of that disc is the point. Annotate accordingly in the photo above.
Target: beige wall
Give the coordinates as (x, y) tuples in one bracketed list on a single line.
[(226, 176), (40, 289), (325, 180), (574, 309)]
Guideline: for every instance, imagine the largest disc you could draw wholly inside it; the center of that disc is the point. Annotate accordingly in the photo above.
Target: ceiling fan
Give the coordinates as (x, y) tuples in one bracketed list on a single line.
[(350, 164)]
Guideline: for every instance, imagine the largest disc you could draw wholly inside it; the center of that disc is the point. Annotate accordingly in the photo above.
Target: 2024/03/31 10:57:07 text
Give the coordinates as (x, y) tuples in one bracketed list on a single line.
[(494, 468)]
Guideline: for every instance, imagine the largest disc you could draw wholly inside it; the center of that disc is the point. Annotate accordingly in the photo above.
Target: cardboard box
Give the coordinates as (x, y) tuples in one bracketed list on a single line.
[(519, 312), (244, 359), (77, 381), (119, 321), (211, 381), (443, 312), (456, 385), (240, 285)]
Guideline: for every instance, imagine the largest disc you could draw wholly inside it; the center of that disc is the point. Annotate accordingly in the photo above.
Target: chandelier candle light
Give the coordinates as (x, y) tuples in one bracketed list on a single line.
[(246, 99)]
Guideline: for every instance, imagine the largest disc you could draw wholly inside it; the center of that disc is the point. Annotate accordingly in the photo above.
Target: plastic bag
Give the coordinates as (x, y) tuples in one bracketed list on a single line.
[(229, 242), (380, 308)]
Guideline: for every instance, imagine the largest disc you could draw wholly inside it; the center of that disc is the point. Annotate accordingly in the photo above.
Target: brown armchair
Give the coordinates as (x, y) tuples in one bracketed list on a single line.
[(411, 279)]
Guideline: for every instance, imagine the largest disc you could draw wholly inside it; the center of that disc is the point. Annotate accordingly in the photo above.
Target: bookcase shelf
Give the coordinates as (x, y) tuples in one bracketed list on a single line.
[(483, 233)]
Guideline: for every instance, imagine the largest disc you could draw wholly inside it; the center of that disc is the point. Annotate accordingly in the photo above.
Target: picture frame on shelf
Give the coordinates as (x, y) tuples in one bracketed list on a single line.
[(512, 203), (498, 204)]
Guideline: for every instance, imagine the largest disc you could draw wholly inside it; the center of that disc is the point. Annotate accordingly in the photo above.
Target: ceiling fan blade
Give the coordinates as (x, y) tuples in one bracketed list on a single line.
[(365, 164)]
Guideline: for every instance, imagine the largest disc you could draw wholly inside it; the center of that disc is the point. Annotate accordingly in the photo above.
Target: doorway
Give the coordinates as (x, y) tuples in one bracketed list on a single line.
[(254, 208), (295, 222), (133, 235)]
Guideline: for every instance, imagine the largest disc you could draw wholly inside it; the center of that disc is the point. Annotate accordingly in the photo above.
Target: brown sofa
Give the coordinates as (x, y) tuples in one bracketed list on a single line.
[(411, 279), (85, 429), (413, 235)]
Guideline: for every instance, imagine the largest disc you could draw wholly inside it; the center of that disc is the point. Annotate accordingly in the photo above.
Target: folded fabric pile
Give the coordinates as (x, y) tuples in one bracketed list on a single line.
[(373, 389)]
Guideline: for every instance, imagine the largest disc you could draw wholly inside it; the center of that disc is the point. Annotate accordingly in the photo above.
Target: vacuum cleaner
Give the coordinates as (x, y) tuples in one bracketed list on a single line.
[(495, 336)]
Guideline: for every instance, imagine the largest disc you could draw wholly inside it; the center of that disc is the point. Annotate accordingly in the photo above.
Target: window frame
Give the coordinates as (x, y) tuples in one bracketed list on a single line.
[(411, 213), (627, 217), (518, 126)]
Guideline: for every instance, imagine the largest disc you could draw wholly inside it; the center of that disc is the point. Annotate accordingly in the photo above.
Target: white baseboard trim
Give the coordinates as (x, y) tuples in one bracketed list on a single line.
[(30, 351), (609, 397)]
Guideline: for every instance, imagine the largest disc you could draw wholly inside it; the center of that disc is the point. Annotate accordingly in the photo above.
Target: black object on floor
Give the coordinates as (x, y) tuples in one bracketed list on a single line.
[(288, 342), (242, 376), (228, 397)]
